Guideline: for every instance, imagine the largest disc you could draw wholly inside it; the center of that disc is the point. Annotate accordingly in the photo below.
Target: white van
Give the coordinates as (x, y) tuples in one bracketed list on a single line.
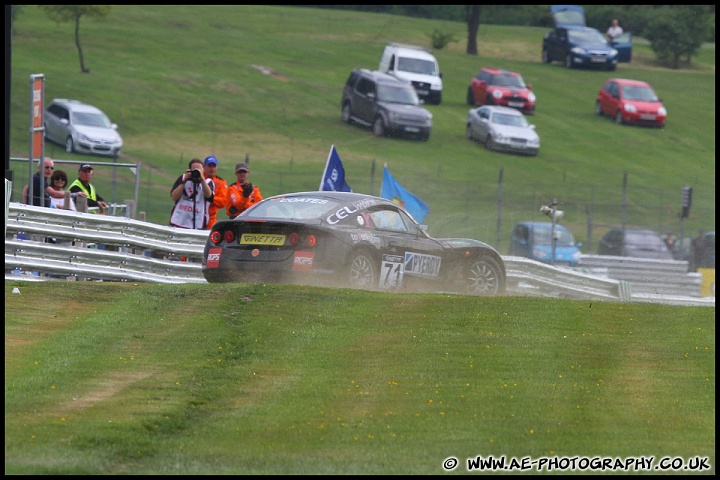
[(416, 65)]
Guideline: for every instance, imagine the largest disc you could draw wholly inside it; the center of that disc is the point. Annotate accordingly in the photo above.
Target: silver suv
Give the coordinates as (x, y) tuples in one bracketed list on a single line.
[(81, 128), (385, 103)]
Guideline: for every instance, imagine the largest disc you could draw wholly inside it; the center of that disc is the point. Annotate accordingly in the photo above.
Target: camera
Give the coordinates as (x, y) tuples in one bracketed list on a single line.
[(195, 176)]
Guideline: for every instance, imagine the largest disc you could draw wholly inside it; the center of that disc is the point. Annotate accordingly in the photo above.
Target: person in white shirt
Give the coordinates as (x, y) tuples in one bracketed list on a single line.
[(614, 31)]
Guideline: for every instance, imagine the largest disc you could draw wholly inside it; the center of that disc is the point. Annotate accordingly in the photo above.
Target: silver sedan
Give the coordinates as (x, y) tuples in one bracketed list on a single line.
[(502, 129)]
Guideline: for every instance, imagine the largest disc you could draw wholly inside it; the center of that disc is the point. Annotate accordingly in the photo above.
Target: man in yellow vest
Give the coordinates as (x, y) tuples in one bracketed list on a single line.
[(83, 185)]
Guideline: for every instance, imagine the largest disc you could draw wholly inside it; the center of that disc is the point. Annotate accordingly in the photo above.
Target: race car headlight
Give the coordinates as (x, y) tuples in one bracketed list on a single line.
[(497, 93)]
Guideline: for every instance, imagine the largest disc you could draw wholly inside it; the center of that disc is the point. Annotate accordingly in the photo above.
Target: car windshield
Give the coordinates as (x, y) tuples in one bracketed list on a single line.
[(642, 94), (397, 94), (90, 119), (586, 37), (644, 240), (507, 81), (416, 65), (565, 238), (299, 208), (507, 119)]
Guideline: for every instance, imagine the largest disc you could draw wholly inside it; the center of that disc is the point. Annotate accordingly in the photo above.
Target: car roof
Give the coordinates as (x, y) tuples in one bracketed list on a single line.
[(348, 197), (542, 225), (500, 71), (501, 109), (75, 105), (383, 77), (412, 51), (627, 81)]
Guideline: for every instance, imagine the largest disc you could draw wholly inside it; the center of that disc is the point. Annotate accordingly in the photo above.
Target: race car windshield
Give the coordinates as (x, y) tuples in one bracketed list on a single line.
[(287, 208)]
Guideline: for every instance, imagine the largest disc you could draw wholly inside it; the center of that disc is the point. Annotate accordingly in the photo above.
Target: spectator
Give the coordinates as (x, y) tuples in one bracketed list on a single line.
[(220, 199), (241, 194), (697, 248), (42, 193), (670, 240), (192, 210), (614, 31), (83, 186), (58, 182)]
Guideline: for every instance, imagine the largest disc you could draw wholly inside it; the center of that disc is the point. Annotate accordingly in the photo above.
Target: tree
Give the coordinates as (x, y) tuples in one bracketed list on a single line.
[(473, 24), (678, 31), (66, 13)]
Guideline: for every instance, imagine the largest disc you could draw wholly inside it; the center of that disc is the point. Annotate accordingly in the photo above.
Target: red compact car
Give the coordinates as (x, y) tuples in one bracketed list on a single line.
[(493, 86), (630, 101)]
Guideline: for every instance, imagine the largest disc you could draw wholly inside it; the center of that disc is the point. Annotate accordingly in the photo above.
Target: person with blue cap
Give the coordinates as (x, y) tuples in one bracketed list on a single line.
[(221, 188)]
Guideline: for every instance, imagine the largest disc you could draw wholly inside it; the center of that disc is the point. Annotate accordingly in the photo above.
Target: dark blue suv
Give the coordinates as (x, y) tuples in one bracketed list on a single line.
[(577, 45)]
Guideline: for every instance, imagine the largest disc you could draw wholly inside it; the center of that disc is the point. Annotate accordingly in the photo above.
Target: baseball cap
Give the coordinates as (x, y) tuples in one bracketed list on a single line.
[(211, 160), (242, 166), (85, 166)]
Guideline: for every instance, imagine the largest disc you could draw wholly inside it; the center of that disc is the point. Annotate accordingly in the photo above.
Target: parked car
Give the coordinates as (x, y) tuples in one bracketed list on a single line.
[(634, 242), (534, 240), (502, 129), (346, 239), (385, 103), (630, 101), (577, 45), (416, 65), (702, 251), (493, 86), (81, 128)]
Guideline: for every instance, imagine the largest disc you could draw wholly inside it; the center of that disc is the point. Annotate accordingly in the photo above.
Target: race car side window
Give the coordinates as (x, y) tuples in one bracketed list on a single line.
[(388, 220)]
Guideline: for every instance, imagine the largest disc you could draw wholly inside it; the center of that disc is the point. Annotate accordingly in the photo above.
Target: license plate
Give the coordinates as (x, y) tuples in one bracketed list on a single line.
[(648, 117), (412, 129), (422, 92), (598, 59), (515, 104), (261, 239)]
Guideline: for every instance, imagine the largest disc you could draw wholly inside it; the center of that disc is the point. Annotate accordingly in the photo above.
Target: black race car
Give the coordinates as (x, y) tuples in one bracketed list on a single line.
[(346, 239)]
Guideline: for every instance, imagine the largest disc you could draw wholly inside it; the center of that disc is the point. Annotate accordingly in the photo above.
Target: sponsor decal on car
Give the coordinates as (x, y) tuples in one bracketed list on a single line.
[(419, 264), (303, 261), (213, 258)]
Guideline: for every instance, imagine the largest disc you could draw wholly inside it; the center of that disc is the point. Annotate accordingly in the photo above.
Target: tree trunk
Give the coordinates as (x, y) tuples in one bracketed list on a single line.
[(77, 44), (473, 24)]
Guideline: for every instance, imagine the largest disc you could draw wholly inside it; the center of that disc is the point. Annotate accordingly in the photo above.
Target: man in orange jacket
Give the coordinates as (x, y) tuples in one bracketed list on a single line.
[(241, 194), (221, 188)]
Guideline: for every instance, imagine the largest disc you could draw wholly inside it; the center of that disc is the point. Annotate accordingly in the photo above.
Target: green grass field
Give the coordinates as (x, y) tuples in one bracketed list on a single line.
[(122, 378), (183, 81)]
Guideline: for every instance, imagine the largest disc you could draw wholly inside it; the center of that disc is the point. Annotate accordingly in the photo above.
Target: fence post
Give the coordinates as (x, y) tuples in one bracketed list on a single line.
[(81, 204)]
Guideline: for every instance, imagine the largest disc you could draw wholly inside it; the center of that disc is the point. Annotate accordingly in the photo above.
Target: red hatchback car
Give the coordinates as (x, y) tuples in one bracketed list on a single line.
[(630, 101), (493, 86)]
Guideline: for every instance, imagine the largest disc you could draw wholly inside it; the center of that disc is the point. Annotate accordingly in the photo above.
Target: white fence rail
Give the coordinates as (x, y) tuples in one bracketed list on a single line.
[(103, 247)]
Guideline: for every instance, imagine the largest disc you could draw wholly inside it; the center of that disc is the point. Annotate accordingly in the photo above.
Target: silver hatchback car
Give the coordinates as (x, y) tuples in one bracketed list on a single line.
[(81, 128), (502, 128)]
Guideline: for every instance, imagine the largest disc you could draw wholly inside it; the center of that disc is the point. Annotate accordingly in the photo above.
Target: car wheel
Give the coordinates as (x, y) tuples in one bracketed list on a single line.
[(469, 133), (437, 99), (69, 145), (568, 61), (618, 118), (612, 67), (470, 98), (483, 277), (545, 56), (379, 127), (347, 113), (362, 272), (598, 109), (489, 143)]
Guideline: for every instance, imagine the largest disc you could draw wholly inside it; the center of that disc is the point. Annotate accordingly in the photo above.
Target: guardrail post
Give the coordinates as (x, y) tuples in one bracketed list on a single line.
[(624, 291)]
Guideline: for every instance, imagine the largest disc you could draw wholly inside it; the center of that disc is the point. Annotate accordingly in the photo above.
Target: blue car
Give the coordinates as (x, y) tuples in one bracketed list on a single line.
[(577, 45), (533, 240)]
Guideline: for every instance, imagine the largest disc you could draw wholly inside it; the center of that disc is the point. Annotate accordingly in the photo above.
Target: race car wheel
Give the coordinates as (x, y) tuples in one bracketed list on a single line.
[(483, 277), (362, 272)]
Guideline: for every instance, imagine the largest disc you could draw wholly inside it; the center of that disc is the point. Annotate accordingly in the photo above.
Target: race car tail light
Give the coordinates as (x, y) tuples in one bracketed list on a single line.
[(293, 238), (310, 241), (215, 237), (228, 236)]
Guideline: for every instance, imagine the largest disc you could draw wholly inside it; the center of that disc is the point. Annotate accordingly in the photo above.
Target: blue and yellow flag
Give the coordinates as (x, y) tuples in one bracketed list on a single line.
[(334, 176), (391, 190)]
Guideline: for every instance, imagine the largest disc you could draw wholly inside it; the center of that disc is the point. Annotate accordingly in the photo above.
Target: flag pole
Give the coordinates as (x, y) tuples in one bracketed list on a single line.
[(327, 163)]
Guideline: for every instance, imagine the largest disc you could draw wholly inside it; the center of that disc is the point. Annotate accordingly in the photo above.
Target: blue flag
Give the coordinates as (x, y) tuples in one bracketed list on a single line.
[(391, 190), (334, 175)]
